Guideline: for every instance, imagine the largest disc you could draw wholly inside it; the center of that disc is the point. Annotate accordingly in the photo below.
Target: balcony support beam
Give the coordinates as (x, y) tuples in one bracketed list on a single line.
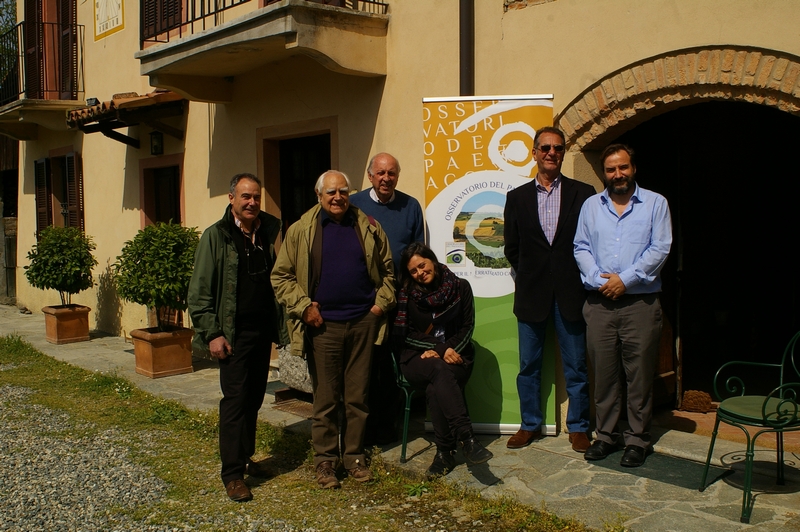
[(119, 137), (166, 129)]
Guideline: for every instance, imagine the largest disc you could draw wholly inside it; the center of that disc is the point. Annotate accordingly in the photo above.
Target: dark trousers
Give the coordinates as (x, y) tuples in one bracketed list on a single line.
[(444, 390), (383, 392), (339, 366), (243, 379), (623, 333)]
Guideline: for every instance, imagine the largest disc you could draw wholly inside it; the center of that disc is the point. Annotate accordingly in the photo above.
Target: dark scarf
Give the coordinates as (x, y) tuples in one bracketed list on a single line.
[(443, 297)]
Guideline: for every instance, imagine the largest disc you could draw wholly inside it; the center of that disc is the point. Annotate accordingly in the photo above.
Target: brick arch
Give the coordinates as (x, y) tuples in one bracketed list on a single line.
[(658, 84)]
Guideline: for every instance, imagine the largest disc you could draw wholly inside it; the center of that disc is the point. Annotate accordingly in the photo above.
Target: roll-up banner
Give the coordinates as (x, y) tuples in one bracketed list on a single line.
[(477, 149)]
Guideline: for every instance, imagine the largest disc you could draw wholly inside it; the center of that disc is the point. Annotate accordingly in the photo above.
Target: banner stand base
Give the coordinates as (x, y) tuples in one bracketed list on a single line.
[(500, 428)]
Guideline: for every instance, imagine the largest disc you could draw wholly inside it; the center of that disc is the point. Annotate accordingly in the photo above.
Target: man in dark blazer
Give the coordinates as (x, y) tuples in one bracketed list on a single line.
[(540, 222)]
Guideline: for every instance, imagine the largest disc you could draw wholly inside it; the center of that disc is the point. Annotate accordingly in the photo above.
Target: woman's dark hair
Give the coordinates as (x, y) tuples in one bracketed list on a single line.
[(417, 248)]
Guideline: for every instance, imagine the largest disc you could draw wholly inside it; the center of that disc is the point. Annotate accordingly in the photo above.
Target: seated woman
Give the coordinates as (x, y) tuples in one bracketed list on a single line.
[(433, 330)]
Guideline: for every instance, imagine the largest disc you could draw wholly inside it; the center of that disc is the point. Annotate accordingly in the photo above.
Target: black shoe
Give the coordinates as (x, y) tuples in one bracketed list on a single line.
[(443, 463), (634, 456), (599, 450), (474, 452), (260, 470)]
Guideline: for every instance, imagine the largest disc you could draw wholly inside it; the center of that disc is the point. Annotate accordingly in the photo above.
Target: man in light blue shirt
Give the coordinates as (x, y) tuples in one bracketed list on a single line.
[(623, 239)]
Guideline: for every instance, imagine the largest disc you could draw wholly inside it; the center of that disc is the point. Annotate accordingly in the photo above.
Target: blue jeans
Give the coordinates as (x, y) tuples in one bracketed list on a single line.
[(572, 343)]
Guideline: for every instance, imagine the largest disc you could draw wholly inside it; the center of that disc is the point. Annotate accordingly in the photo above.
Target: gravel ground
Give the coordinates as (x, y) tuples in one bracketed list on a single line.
[(58, 473), (52, 480)]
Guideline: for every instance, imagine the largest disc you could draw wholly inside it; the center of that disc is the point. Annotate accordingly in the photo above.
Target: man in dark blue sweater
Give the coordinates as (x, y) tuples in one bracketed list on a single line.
[(400, 215)]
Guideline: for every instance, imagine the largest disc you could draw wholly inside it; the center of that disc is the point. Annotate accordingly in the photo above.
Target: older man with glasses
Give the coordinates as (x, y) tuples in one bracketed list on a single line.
[(335, 277), (540, 222), (236, 319)]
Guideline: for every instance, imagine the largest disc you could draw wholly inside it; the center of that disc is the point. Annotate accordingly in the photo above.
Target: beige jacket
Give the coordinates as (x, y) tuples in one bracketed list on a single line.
[(291, 276)]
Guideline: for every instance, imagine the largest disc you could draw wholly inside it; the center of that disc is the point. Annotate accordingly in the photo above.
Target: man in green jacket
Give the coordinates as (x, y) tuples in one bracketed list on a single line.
[(335, 277), (236, 320)]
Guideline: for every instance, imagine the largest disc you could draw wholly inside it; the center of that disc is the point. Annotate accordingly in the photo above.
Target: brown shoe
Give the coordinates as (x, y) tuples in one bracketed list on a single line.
[(238, 491), (523, 438), (326, 476), (360, 473), (579, 441)]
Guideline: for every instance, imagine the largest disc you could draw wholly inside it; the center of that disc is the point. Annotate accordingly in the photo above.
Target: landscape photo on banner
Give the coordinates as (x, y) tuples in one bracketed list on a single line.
[(476, 149)]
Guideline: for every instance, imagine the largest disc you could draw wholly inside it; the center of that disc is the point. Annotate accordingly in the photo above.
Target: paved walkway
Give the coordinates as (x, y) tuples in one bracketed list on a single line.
[(659, 496)]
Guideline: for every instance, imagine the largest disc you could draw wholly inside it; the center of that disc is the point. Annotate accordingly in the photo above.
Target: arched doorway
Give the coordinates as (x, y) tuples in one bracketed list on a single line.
[(730, 173)]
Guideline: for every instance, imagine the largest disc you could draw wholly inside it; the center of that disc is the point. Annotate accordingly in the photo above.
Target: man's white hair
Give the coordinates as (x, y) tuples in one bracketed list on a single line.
[(320, 179)]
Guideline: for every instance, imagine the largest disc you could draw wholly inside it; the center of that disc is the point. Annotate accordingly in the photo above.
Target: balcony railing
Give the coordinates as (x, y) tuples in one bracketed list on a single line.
[(43, 61), (367, 6), (162, 20)]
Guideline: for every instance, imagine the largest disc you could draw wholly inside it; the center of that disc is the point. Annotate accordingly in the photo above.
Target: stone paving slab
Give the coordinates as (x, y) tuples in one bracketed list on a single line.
[(662, 495)]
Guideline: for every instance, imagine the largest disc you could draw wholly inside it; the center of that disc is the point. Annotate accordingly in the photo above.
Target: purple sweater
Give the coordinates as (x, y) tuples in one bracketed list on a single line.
[(345, 291)]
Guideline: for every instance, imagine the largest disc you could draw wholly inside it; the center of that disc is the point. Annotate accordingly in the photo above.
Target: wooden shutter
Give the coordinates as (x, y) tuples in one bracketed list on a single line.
[(34, 50), (68, 49), (172, 14), (44, 193), (74, 180), (159, 16)]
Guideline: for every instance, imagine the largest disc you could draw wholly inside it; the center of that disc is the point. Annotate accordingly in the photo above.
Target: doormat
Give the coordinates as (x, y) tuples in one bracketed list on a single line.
[(295, 406)]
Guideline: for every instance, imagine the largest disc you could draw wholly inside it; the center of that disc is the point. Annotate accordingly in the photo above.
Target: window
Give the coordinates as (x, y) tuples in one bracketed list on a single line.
[(59, 192), (53, 42), (161, 189), (162, 194)]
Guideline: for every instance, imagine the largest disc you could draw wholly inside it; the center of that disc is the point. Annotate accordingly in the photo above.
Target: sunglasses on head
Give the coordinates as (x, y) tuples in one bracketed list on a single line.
[(545, 148)]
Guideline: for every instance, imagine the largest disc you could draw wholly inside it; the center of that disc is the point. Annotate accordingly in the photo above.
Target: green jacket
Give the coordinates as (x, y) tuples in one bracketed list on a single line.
[(292, 274), (212, 290)]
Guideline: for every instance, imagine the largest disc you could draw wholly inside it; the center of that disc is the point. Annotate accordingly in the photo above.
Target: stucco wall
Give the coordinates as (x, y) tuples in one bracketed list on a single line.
[(558, 47)]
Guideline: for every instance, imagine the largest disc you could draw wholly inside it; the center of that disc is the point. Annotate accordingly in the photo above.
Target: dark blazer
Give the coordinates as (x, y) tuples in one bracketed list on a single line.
[(544, 272)]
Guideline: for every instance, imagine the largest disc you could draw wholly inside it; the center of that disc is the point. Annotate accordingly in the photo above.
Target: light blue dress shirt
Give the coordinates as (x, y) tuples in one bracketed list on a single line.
[(634, 245)]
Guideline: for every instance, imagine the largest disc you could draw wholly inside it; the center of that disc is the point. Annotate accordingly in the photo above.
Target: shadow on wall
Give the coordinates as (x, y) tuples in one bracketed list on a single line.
[(292, 93), (109, 305)]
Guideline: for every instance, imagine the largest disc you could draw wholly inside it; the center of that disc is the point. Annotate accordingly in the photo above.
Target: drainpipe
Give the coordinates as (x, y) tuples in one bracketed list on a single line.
[(466, 51)]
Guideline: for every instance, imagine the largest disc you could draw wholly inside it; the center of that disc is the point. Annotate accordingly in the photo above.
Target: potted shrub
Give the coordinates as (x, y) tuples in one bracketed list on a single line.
[(62, 260), (154, 270)]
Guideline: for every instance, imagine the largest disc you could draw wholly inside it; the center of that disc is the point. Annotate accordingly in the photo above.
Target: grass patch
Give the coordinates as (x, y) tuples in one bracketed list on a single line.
[(180, 446)]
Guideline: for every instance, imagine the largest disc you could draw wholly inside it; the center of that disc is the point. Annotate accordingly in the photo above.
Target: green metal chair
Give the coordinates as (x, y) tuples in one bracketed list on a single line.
[(775, 412), (409, 392)]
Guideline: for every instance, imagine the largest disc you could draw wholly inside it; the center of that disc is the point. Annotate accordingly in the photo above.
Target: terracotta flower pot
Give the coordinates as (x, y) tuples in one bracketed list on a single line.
[(161, 354), (65, 324)]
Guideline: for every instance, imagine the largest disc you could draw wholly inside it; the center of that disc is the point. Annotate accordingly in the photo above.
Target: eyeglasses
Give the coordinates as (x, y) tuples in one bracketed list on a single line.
[(545, 148), (254, 268)]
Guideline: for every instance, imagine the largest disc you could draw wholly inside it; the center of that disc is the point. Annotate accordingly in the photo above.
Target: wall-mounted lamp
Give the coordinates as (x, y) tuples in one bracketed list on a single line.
[(156, 143)]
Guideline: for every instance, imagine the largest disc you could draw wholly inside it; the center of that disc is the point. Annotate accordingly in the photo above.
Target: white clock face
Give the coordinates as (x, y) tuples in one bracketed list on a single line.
[(107, 18)]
